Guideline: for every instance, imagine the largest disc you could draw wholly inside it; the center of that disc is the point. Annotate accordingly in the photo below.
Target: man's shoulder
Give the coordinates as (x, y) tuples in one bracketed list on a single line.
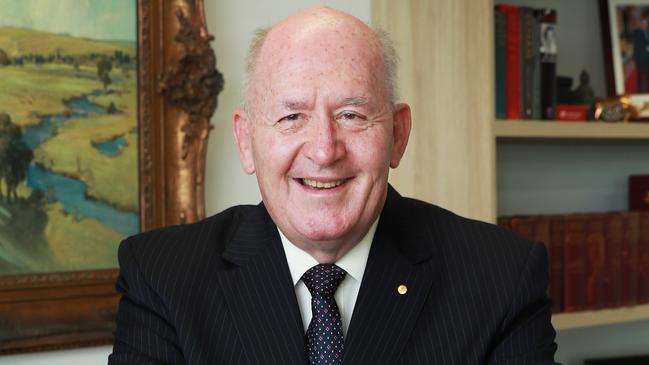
[(451, 231), (473, 252), (213, 231)]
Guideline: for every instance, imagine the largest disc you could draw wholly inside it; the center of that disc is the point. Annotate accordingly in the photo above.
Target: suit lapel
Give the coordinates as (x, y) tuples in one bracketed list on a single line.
[(384, 318), (260, 295)]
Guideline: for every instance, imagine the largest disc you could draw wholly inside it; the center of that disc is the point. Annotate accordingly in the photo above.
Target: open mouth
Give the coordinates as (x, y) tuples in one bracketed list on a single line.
[(322, 184)]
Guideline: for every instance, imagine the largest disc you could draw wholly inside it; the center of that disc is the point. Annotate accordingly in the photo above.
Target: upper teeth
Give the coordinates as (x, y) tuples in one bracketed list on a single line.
[(322, 185)]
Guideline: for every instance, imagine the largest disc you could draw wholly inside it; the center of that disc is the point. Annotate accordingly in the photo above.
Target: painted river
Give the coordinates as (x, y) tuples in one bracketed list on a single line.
[(72, 192)]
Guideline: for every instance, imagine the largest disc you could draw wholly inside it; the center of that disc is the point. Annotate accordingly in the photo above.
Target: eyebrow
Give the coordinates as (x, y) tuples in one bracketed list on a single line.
[(300, 105), (295, 105), (354, 101)]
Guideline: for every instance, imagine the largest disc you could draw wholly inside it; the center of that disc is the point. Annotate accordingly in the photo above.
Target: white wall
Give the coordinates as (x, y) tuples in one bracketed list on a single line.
[(84, 356), (232, 22)]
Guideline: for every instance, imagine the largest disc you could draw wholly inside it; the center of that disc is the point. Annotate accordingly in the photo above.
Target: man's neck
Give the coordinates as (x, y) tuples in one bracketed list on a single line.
[(325, 252)]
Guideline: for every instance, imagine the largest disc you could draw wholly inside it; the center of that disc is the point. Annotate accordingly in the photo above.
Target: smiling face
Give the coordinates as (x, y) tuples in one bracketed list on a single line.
[(320, 131)]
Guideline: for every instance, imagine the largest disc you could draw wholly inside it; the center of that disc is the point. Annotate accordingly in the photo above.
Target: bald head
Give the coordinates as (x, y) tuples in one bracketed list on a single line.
[(318, 33)]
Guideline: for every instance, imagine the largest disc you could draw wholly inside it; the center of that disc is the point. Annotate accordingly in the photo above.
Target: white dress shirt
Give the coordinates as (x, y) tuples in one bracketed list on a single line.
[(353, 263)]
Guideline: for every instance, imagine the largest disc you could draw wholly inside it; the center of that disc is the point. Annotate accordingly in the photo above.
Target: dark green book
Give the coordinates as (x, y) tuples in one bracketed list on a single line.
[(527, 64), (501, 65), (537, 109)]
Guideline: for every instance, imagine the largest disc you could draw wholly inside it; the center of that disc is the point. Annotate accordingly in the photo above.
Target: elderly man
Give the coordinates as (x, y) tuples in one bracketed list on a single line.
[(334, 266)]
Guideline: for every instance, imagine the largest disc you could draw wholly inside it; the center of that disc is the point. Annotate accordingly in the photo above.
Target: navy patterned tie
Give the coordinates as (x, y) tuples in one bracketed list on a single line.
[(325, 333)]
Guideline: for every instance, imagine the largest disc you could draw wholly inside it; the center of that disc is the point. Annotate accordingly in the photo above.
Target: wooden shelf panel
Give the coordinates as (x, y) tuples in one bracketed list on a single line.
[(564, 321), (570, 130)]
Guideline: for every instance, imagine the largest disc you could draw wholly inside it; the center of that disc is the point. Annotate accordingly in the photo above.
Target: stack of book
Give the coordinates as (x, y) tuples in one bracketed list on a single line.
[(526, 56), (597, 260)]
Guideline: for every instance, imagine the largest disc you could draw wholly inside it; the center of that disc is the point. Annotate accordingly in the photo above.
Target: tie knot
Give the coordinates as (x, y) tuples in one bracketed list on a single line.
[(323, 279)]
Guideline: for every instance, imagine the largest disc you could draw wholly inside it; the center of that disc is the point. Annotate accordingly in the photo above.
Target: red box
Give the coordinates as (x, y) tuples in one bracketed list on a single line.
[(572, 113), (639, 192)]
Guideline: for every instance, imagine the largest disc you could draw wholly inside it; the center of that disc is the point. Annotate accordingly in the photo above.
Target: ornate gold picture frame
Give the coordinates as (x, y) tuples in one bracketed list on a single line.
[(177, 88)]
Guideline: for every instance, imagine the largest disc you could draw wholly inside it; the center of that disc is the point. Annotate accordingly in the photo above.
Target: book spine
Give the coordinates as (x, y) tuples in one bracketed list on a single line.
[(513, 60), (501, 65), (527, 64), (548, 63), (643, 257), (630, 258), (596, 248), (614, 237), (536, 72), (504, 222), (639, 192), (557, 228), (574, 260), (541, 232)]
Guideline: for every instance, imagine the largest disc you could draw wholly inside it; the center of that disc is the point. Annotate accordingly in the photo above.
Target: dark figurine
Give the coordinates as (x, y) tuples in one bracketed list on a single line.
[(584, 93)]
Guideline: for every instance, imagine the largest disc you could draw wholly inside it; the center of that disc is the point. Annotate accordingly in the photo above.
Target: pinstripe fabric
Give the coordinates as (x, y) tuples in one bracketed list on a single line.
[(219, 292)]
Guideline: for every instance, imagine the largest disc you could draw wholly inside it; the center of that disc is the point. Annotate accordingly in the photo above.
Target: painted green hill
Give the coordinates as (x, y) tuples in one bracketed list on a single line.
[(21, 41)]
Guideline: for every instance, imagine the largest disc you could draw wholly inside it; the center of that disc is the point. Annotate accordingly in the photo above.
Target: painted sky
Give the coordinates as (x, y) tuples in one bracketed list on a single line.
[(97, 19)]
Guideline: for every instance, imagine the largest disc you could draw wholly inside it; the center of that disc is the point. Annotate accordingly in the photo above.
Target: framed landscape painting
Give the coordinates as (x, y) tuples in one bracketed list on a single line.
[(98, 141), (68, 134)]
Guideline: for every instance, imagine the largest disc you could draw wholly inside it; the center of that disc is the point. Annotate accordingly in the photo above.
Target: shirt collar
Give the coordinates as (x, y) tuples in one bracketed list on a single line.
[(353, 262)]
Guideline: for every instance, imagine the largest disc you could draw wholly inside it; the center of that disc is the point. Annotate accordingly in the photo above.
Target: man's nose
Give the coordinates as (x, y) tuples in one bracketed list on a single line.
[(324, 146)]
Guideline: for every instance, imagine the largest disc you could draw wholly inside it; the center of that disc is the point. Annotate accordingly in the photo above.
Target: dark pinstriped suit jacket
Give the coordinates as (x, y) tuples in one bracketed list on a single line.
[(219, 292)]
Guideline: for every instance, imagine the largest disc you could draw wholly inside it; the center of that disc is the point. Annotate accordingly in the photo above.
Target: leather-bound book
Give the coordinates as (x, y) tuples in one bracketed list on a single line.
[(639, 192), (557, 223), (540, 228), (503, 222), (630, 258), (643, 257), (574, 261), (535, 228), (595, 263), (614, 230)]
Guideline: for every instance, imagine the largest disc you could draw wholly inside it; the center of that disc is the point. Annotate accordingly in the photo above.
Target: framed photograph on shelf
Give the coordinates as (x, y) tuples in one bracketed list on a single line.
[(625, 33), (104, 119)]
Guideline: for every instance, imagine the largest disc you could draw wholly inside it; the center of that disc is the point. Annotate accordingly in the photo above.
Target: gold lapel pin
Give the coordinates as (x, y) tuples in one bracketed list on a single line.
[(402, 289)]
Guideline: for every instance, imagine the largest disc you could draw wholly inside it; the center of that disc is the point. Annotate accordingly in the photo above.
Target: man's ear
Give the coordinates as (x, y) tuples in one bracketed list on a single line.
[(242, 129), (401, 132)]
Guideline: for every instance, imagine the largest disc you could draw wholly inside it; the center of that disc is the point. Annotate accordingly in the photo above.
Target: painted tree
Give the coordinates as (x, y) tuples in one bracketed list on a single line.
[(15, 156), (104, 66), (21, 157), (4, 58)]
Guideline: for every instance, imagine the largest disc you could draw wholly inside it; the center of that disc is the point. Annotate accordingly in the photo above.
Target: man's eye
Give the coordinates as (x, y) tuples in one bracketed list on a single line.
[(352, 120), (289, 118), (291, 122)]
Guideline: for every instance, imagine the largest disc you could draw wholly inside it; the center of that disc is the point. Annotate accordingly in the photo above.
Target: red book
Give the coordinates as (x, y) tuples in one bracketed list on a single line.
[(639, 192), (574, 263), (643, 258), (595, 272), (630, 258), (556, 262), (512, 60), (543, 229), (535, 228), (614, 231)]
